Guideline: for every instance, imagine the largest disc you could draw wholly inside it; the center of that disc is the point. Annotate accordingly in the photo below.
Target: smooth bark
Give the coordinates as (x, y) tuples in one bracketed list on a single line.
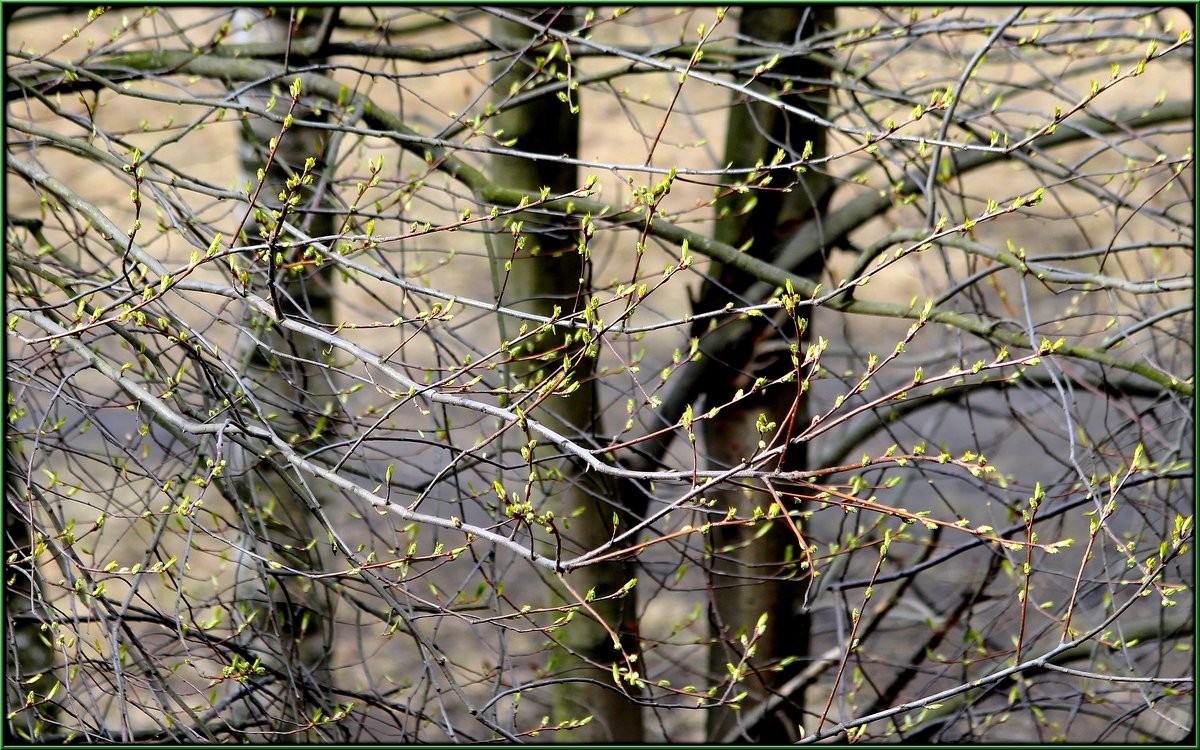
[(285, 617), (548, 271), (756, 572)]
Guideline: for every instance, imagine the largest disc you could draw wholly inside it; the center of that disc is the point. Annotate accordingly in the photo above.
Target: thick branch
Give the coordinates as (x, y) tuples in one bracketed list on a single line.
[(771, 276)]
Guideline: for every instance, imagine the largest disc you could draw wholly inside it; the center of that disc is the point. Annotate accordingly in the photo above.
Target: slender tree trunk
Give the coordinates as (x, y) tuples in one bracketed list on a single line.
[(29, 662), (285, 618), (756, 572), (548, 270)]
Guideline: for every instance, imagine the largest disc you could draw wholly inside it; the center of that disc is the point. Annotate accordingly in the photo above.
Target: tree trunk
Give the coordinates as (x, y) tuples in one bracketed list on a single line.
[(756, 572), (549, 270), (285, 617), (29, 661)]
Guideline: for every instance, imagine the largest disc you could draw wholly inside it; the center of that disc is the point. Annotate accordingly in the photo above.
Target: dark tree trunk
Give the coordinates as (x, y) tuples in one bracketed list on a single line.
[(547, 271), (29, 661), (755, 573), (286, 618)]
